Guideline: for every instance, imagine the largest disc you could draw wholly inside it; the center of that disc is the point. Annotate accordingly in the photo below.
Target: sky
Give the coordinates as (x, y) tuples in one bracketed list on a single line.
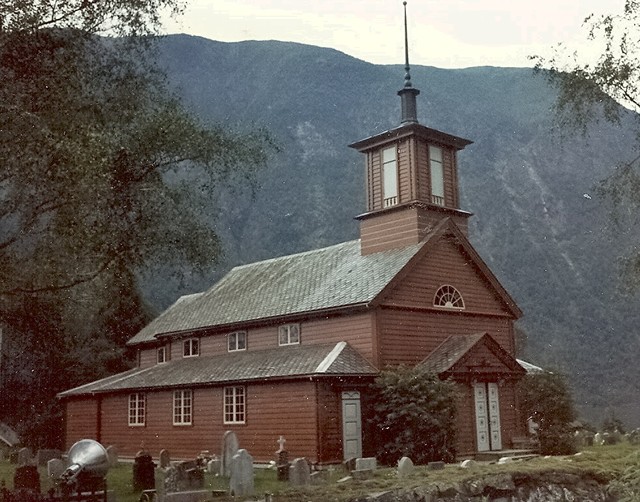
[(443, 33)]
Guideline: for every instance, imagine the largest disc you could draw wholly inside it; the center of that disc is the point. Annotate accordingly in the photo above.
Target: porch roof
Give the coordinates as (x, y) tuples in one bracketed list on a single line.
[(283, 362)]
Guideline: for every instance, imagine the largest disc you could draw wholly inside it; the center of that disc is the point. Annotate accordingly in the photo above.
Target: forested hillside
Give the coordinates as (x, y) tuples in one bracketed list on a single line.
[(537, 221)]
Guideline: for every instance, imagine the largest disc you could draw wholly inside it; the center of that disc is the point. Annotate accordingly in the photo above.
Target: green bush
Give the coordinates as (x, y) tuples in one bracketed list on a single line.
[(545, 398), (413, 415)]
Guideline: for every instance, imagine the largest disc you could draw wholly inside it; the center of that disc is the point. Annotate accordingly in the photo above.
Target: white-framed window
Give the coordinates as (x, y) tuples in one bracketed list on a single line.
[(448, 297), (162, 354), (235, 405), (136, 409), (237, 341), (389, 176), (437, 175), (191, 347), (182, 407), (289, 334)]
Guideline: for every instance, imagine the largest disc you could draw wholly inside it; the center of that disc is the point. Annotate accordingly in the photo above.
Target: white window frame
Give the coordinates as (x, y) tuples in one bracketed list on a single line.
[(161, 354), (235, 405), (183, 407), (448, 297), (191, 347), (289, 334), (137, 409), (436, 166), (389, 157), (237, 341)]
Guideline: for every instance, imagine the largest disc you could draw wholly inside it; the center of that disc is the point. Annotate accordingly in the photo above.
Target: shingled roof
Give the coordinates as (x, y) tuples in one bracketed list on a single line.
[(451, 351), (283, 362), (321, 279)]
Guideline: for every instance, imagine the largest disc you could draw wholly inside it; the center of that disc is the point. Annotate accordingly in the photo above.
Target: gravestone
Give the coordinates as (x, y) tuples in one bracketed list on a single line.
[(112, 455), (282, 461), (24, 456), (230, 446), (300, 472), (165, 459), (597, 439), (213, 466), (468, 464), (241, 474), (55, 468), (44, 455), (144, 477), (366, 464), (405, 467), (184, 476)]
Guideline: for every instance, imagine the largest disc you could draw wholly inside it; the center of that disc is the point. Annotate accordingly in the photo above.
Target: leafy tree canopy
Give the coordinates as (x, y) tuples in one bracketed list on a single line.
[(99, 167), (592, 89), (91, 143)]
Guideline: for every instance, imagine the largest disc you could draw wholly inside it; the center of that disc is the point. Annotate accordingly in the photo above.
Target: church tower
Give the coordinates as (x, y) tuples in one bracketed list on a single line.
[(411, 177)]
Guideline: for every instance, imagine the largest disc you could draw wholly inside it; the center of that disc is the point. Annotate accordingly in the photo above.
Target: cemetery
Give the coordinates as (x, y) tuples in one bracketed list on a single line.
[(91, 472)]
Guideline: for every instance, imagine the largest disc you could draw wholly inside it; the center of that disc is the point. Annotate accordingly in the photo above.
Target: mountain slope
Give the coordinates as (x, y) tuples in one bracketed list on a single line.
[(537, 222)]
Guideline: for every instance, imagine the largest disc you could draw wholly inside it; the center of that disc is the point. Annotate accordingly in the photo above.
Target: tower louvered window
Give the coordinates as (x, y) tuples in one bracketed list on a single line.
[(448, 297)]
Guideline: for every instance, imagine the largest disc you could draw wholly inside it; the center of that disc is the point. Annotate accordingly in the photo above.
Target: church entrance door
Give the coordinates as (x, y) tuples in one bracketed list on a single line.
[(487, 405)]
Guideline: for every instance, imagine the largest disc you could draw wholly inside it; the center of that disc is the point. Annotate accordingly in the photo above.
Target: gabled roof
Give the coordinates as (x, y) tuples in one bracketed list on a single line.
[(449, 357), (326, 279), (283, 362), (332, 277)]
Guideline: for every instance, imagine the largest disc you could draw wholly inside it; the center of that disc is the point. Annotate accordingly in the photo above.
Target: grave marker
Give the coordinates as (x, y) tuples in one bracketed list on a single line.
[(241, 474)]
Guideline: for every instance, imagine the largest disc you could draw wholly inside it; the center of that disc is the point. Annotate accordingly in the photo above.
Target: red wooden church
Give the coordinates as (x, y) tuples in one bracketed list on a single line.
[(287, 346)]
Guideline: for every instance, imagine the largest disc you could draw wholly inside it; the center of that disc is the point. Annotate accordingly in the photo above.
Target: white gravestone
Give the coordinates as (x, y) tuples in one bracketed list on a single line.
[(405, 467), (230, 446), (241, 474), (300, 472)]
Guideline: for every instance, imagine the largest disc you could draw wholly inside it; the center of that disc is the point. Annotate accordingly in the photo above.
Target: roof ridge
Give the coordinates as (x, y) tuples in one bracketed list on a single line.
[(331, 357), (296, 255)]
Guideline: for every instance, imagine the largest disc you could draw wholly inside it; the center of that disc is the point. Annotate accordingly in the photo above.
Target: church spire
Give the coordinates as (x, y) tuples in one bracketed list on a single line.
[(408, 93)]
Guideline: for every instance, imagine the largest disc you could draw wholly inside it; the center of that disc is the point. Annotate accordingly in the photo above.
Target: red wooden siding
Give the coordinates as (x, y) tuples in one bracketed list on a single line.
[(147, 357), (269, 414), (407, 337), (405, 172), (465, 422), (446, 263), (330, 423), (354, 329), (82, 414)]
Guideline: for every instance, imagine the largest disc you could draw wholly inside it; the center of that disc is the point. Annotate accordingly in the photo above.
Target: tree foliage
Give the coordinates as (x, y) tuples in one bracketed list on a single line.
[(99, 165), (545, 399), (590, 90), (414, 414)]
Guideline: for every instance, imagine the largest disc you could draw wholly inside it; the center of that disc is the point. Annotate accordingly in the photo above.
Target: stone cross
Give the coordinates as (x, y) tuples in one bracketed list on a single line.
[(281, 442)]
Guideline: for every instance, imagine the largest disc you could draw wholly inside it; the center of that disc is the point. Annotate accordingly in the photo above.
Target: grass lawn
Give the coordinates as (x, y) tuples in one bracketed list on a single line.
[(607, 462)]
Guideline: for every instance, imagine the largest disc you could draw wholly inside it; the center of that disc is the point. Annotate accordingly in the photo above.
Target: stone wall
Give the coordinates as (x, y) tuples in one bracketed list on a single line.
[(506, 487)]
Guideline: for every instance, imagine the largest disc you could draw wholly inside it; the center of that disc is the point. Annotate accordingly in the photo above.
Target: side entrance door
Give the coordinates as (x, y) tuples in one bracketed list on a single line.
[(487, 405), (351, 425)]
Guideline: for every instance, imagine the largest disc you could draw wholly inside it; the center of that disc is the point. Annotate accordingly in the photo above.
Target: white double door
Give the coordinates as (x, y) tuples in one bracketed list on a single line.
[(487, 404)]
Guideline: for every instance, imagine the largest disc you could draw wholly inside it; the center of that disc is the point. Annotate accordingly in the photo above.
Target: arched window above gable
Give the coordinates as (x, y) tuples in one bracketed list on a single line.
[(448, 297)]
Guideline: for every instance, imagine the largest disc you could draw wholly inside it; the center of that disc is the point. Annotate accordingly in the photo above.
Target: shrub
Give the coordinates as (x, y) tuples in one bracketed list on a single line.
[(413, 414), (545, 398)]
